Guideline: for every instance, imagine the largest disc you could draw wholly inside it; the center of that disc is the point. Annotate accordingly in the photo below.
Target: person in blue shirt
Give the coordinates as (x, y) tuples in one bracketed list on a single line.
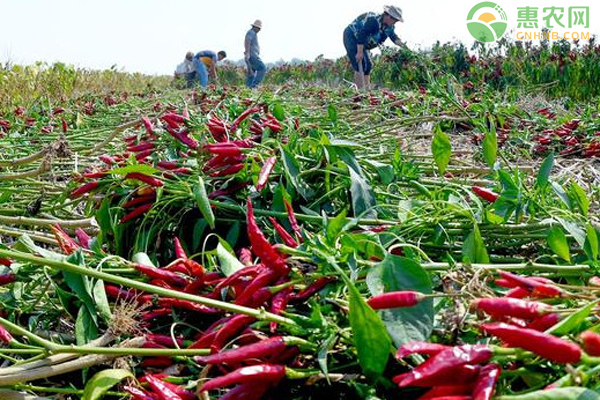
[(366, 32), (255, 68), (205, 63)]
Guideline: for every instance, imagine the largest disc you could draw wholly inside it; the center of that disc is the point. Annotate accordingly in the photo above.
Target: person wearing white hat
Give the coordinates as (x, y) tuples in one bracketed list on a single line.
[(366, 32), (255, 68)]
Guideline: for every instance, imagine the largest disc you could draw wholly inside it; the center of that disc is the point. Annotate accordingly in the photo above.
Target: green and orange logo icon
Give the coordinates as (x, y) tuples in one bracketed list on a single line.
[(487, 21)]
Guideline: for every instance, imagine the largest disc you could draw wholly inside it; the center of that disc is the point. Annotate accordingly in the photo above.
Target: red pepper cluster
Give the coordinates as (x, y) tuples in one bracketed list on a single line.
[(451, 372), (258, 362)]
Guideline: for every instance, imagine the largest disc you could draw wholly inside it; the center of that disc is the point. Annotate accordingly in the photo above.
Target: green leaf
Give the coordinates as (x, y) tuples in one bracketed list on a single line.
[(203, 203), (141, 168), (574, 229), (101, 301), (332, 113), (561, 193), (102, 381), (142, 259), (324, 350), (567, 393), (441, 149), (581, 198), (373, 344), (363, 198), (591, 242), (85, 327), (335, 226), (347, 156), (292, 173), (573, 323), (544, 172), (557, 240), (229, 263), (278, 112), (474, 251), (490, 147), (396, 273), (385, 171)]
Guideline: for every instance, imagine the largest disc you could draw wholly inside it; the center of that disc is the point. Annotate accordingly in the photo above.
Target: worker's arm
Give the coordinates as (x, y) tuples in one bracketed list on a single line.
[(247, 48), (213, 71), (360, 50)]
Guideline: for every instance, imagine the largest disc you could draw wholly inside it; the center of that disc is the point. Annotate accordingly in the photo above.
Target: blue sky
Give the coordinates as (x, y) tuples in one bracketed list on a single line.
[(152, 36)]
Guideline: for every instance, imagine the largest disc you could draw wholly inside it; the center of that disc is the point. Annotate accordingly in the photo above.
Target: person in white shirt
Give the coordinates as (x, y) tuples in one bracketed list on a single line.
[(186, 70)]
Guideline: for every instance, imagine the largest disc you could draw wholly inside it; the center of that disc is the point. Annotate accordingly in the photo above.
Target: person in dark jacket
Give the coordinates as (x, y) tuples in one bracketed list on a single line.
[(366, 32)]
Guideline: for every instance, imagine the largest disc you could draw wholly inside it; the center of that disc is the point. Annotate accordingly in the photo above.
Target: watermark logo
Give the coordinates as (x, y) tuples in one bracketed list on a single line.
[(487, 22)]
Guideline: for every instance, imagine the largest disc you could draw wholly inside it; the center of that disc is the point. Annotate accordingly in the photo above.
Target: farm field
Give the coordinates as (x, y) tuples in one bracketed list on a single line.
[(436, 237)]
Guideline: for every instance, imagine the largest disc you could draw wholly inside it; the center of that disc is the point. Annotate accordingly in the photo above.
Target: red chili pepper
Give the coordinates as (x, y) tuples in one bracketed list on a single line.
[(224, 149), (256, 373), (83, 189), (7, 278), (179, 252), (518, 293), (259, 350), (427, 348), (186, 305), (163, 340), (545, 291), (311, 289), (115, 292), (139, 394), (167, 165), (94, 175), (486, 382), (140, 147), (510, 307), (261, 246), (148, 126), (265, 171), (5, 261), (219, 161), (230, 170), (260, 297), (105, 158), (173, 119), (245, 256), (285, 236), (247, 391), (591, 343), (83, 238), (5, 336), (65, 242), (395, 299), (150, 180), (279, 304), (136, 212), (265, 278), (446, 360), (244, 273), (182, 136), (159, 312), (163, 390), (158, 273), (229, 329), (447, 392), (543, 344), (293, 220), (462, 375), (485, 194), (64, 125), (236, 123), (149, 198), (545, 322)]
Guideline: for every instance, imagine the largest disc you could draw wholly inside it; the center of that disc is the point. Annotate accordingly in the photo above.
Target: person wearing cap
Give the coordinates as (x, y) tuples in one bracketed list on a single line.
[(366, 32), (186, 69), (255, 68), (205, 63)]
